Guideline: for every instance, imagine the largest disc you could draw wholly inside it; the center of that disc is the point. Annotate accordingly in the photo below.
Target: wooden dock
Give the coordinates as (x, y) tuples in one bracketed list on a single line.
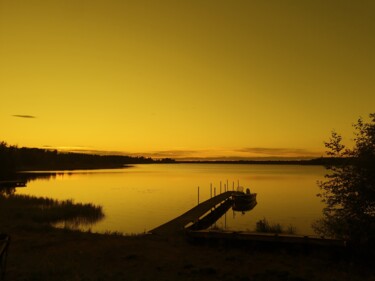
[(4, 243), (12, 183), (178, 224), (211, 217), (264, 238)]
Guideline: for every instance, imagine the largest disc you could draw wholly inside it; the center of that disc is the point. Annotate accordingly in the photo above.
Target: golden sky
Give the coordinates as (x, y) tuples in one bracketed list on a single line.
[(194, 78)]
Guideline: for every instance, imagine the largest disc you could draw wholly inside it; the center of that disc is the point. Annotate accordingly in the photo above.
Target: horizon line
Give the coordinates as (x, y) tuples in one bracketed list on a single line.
[(244, 154)]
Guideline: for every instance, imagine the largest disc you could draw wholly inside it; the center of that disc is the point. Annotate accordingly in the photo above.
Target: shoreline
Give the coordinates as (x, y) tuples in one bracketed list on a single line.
[(37, 254), (41, 252)]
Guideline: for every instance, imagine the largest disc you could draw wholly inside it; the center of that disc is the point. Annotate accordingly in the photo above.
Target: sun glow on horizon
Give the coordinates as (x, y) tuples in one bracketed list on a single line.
[(187, 79), (205, 154)]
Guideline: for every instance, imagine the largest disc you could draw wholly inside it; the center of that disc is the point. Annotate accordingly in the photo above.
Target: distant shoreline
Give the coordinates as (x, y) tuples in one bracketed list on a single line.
[(311, 162), (14, 159)]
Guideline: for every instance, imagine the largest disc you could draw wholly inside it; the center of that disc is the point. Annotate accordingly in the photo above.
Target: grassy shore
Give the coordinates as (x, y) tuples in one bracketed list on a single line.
[(41, 252)]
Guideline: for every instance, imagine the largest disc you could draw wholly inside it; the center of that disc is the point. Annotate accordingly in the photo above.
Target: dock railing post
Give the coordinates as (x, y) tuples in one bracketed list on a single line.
[(225, 221), (198, 195), (210, 190), (4, 243)]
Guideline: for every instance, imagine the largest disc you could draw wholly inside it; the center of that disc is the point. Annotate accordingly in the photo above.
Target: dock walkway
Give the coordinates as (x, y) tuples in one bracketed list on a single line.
[(4, 243), (12, 183), (192, 215), (268, 238)]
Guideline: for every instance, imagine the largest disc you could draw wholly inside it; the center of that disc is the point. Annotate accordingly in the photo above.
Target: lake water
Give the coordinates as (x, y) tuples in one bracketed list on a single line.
[(142, 197)]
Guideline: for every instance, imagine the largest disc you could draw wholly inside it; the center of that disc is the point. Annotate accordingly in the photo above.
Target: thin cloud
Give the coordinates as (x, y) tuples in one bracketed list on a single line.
[(24, 116), (169, 153), (278, 151), (247, 153)]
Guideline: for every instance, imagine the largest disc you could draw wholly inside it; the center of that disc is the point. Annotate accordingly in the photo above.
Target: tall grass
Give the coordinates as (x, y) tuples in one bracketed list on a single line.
[(264, 226), (24, 209)]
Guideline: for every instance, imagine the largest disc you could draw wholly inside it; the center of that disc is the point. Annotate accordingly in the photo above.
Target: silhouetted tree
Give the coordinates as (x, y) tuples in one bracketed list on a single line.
[(13, 159), (349, 188)]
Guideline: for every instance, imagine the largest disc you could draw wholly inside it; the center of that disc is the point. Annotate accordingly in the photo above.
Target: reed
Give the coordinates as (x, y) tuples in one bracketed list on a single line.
[(23, 210), (265, 227)]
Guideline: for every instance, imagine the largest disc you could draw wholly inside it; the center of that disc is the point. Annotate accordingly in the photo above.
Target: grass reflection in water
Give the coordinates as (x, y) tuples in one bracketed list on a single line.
[(22, 211)]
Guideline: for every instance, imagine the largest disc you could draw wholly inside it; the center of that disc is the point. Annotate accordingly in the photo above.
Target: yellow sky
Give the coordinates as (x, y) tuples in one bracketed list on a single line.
[(197, 78)]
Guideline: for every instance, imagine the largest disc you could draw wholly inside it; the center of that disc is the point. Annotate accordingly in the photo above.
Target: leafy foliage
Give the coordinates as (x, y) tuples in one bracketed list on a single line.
[(349, 188)]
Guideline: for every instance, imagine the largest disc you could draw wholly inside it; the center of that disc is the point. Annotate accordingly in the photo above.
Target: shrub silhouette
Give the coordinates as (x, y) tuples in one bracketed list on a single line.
[(349, 188)]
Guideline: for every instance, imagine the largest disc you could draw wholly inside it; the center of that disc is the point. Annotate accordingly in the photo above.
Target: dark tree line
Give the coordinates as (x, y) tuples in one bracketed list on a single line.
[(349, 188), (13, 159), (322, 161)]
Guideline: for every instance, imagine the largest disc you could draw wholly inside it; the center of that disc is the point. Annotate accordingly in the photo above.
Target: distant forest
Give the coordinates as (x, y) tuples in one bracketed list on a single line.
[(322, 161), (13, 159)]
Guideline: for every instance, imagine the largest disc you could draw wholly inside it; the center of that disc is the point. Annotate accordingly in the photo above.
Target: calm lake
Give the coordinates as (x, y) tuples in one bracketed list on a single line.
[(142, 197)]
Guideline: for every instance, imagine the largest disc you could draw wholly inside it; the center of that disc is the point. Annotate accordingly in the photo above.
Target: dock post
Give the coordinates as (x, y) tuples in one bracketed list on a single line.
[(210, 190), (225, 220), (220, 187), (198, 195)]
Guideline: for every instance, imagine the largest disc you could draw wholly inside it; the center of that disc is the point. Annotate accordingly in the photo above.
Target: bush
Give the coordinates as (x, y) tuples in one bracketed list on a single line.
[(349, 188)]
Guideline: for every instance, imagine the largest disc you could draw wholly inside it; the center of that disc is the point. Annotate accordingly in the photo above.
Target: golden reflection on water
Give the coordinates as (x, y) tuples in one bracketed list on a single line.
[(143, 197)]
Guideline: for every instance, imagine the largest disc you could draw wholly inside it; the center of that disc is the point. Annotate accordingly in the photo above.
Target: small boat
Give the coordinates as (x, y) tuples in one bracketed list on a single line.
[(12, 183), (244, 201)]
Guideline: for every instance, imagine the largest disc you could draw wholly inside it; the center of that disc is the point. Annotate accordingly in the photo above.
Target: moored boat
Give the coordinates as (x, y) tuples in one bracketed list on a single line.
[(244, 201)]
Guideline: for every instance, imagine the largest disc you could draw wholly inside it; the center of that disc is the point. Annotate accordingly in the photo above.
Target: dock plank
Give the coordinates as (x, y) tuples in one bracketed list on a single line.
[(179, 223), (265, 238)]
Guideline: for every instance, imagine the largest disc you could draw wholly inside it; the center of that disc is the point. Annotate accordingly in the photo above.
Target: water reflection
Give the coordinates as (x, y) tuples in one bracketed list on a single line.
[(244, 201), (9, 183), (64, 213), (138, 199), (212, 217), (31, 210), (8, 187), (81, 221), (238, 202)]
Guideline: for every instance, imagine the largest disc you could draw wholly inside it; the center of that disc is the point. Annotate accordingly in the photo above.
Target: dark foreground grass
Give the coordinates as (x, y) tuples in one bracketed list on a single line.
[(41, 252)]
